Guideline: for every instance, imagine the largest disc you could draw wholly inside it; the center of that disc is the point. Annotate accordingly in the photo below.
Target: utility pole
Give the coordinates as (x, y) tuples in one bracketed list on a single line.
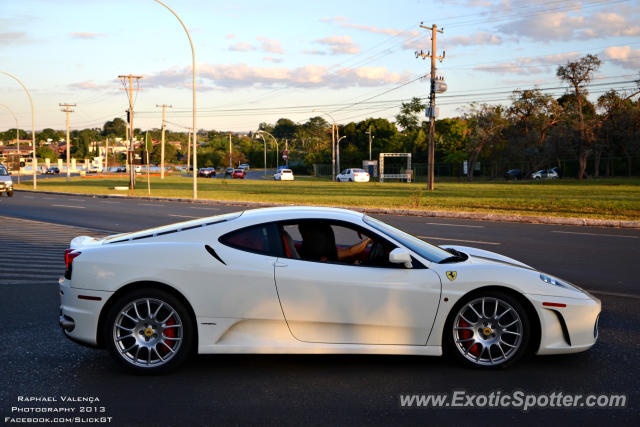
[(370, 138), (106, 155), (230, 152), (128, 79), (432, 99), (286, 147), (67, 109), (164, 109)]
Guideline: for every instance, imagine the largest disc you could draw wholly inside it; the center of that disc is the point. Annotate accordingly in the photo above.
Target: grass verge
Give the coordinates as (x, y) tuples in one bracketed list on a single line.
[(599, 199)]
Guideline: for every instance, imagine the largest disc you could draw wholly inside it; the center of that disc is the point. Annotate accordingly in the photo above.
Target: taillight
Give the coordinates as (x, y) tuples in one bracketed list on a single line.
[(69, 256)]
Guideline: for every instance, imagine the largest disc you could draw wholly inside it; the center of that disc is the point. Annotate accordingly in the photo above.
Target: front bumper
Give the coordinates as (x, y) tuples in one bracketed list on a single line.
[(571, 328), (80, 311)]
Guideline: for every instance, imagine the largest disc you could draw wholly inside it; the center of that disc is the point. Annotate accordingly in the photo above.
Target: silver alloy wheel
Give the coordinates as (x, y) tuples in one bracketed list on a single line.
[(148, 332), (487, 331)]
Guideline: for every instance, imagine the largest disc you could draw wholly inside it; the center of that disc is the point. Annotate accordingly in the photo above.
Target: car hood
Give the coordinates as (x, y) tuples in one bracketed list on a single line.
[(480, 256)]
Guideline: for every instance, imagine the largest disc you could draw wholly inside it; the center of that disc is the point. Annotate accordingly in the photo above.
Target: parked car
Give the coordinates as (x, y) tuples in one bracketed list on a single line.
[(138, 168), (244, 166), (6, 183), (54, 170), (228, 172), (238, 173), (283, 175), (513, 174), (546, 174), (353, 175), (253, 282)]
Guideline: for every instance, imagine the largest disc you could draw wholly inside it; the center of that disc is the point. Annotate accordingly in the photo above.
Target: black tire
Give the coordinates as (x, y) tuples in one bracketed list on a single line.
[(494, 359), (10, 193), (350, 179), (183, 339)]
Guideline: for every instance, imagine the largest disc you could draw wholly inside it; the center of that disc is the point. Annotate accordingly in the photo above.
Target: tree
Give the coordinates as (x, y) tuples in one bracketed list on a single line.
[(408, 118), (578, 74), (486, 123), (533, 114), (45, 152), (115, 128)]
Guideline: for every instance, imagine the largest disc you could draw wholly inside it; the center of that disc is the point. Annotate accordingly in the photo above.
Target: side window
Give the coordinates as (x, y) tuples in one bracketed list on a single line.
[(261, 239), (335, 242)]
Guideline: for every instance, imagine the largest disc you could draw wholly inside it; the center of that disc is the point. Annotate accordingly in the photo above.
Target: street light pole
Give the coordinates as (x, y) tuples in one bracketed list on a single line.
[(17, 138), (33, 127), (261, 134), (195, 129), (338, 149)]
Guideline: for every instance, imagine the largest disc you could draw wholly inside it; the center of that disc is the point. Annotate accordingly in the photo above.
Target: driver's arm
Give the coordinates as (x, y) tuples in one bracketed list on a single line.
[(354, 250)]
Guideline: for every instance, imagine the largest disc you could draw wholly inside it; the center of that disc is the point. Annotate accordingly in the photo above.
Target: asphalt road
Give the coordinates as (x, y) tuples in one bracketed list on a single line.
[(230, 389)]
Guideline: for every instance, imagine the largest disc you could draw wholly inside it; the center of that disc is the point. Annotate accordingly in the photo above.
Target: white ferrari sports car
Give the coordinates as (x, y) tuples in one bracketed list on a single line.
[(311, 280)]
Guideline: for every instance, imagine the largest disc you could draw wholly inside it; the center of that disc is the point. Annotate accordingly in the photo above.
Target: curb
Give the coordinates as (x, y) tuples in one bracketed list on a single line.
[(583, 222)]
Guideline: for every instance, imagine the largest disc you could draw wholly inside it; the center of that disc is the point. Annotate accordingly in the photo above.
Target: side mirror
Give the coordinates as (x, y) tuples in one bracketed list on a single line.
[(401, 256)]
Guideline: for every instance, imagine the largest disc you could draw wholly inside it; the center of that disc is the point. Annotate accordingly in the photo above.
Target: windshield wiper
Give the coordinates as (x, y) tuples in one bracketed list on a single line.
[(456, 257)]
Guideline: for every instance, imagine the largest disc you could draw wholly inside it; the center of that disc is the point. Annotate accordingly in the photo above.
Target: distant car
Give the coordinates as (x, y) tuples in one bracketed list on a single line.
[(121, 169), (513, 174), (546, 174), (353, 175), (283, 175), (138, 169), (228, 171), (54, 170), (6, 183), (244, 166), (238, 173), (207, 172)]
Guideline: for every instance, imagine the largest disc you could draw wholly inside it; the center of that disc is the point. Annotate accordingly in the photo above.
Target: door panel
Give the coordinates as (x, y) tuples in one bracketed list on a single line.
[(337, 303)]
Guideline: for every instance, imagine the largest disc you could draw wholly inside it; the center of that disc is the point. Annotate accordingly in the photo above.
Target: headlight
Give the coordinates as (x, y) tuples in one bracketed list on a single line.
[(557, 282)]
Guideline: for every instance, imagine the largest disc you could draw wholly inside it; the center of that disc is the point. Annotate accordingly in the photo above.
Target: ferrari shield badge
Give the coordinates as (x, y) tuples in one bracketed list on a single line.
[(451, 275)]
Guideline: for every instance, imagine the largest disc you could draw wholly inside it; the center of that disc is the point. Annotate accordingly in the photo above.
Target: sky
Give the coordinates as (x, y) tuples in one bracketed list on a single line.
[(258, 61)]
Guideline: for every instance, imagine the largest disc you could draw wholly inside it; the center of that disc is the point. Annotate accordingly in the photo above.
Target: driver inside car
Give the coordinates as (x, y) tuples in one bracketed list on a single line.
[(319, 243)]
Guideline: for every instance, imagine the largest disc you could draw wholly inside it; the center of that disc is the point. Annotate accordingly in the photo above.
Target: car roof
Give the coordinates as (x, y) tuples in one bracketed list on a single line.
[(285, 212)]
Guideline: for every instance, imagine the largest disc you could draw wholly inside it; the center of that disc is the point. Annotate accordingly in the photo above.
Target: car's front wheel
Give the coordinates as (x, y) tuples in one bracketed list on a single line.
[(10, 193), (488, 330), (149, 331)]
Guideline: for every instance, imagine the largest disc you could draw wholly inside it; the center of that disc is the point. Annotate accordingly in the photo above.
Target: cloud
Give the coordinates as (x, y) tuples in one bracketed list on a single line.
[(89, 85), (340, 45), (563, 26), (241, 47), (272, 59), (530, 65), (314, 52), (623, 56), (270, 46), (86, 35), (13, 37), (479, 38), (309, 76), (409, 37)]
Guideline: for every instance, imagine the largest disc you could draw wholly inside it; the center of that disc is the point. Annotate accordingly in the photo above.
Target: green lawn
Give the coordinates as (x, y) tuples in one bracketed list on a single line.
[(604, 199)]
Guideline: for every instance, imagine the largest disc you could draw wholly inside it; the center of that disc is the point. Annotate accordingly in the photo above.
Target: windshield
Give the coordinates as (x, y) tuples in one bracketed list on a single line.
[(3, 171), (422, 248)]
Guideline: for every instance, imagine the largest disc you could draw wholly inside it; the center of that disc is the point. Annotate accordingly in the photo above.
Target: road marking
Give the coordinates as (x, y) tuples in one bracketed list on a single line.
[(70, 206), (209, 209), (150, 204), (595, 234), (614, 294), (184, 216), (455, 225), (459, 240)]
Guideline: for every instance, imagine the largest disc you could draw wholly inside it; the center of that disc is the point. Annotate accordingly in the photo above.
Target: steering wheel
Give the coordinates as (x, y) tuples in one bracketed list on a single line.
[(376, 253)]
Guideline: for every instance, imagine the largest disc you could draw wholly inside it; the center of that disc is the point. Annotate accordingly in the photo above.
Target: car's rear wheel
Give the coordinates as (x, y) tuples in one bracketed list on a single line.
[(488, 330), (149, 331), (10, 193)]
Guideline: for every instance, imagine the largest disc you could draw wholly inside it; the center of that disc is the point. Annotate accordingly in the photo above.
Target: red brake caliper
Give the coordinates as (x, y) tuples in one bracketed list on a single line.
[(466, 334), (170, 333)]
